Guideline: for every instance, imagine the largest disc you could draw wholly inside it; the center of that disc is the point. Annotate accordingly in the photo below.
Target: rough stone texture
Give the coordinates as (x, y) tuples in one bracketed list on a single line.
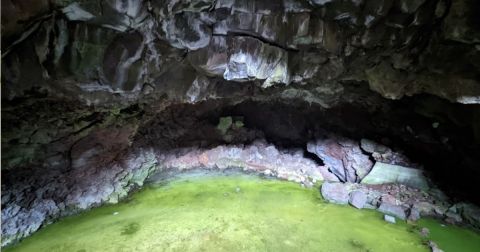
[(470, 213), (40, 197), (343, 157), (358, 199), (278, 42), (400, 201), (382, 153), (259, 157), (335, 192), (382, 173), (394, 210)]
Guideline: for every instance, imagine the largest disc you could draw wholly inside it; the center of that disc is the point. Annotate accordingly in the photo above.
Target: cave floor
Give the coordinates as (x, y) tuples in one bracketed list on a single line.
[(198, 212)]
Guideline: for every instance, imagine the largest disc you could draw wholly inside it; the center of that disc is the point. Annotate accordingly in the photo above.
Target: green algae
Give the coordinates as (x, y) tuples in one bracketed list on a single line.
[(451, 238), (234, 213)]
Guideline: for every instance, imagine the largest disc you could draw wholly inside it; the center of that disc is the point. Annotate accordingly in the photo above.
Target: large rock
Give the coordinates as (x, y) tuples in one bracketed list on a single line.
[(382, 153), (470, 213), (382, 173), (250, 59), (391, 209), (342, 156), (335, 192), (358, 199)]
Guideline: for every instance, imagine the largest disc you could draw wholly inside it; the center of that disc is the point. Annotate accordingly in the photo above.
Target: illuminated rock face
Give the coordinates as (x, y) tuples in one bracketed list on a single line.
[(97, 52), (95, 92)]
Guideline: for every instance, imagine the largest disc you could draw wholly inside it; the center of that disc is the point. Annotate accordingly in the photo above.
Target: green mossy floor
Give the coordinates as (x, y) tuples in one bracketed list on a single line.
[(237, 213)]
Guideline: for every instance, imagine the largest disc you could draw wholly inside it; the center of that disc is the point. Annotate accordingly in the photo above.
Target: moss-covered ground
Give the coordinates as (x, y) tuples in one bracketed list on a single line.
[(236, 213)]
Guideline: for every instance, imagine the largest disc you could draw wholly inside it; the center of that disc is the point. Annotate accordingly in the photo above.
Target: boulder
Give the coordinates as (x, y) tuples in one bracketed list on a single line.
[(342, 156), (358, 199), (382, 173), (335, 192), (470, 213), (414, 214), (391, 209)]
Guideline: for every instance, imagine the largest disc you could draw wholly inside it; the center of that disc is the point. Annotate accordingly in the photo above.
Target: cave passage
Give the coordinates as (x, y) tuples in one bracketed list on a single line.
[(356, 121)]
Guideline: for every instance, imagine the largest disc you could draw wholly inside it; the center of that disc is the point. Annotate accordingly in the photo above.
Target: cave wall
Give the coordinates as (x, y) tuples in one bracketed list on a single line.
[(100, 89)]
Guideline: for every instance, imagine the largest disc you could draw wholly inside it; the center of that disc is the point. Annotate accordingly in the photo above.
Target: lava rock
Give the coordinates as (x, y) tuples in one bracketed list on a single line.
[(358, 199), (382, 173), (342, 156), (394, 210), (335, 192)]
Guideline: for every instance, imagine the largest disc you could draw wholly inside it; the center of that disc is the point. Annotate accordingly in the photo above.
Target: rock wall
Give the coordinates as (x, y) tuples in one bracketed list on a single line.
[(103, 52), (95, 94)]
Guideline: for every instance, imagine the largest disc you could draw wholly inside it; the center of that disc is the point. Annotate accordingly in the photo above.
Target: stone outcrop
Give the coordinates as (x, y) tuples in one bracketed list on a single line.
[(38, 196), (259, 157), (343, 157)]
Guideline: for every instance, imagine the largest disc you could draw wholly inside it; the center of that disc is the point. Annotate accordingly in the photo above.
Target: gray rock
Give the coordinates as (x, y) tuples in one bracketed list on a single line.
[(389, 218), (382, 173), (414, 214), (358, 199), (454, 217), (187, 30), (251, 59), (470, 213), (434, 247), (424, 232), (335, 192), (342, 156), (394, 210), (372, 147)]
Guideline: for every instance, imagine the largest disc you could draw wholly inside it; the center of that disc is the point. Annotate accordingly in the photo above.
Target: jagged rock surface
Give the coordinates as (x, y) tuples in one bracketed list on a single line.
[(91, 49)]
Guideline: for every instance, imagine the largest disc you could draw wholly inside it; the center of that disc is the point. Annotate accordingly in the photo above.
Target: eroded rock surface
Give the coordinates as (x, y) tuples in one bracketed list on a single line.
[(343, 157), (123, 47)]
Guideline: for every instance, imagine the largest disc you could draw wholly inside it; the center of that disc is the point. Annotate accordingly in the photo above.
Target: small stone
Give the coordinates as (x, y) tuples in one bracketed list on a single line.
[(237, 190), (424, 232), (434, 247), (389, 218), (435, 125), (115, 213)]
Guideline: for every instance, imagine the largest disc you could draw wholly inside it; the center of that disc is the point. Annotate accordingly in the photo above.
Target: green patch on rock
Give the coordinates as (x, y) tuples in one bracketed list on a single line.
[(224, 124)]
